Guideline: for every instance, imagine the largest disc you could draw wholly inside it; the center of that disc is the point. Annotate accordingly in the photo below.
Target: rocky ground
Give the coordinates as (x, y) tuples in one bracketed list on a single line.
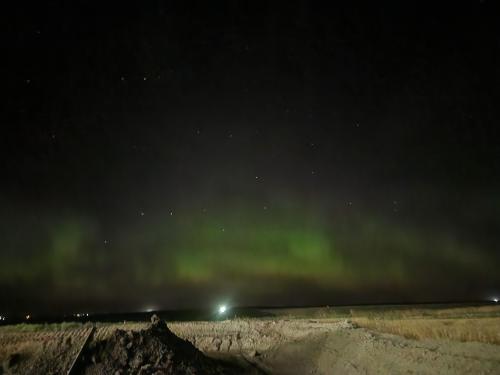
[(154, 350)]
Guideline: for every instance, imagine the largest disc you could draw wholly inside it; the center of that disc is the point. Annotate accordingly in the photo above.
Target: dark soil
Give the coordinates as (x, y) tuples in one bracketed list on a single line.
[(155, 350)]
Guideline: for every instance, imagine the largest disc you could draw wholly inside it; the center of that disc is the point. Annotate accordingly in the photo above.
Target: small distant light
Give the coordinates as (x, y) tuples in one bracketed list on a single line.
[(222, 309), (149, 308), (495, 300), (28, 317)]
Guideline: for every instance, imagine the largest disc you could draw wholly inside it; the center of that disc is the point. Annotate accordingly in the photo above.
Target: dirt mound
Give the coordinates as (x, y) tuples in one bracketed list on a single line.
[(155, 350)]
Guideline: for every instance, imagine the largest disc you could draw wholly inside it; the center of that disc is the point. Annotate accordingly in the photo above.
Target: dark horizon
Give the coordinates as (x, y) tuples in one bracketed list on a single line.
[(211, 312), (180, 154)]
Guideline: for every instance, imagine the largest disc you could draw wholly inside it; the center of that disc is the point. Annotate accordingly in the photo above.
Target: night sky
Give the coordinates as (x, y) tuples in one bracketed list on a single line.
[(173, 154)]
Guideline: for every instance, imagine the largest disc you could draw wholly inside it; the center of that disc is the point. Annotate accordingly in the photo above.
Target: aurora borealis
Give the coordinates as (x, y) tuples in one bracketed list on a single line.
[(176, 154)]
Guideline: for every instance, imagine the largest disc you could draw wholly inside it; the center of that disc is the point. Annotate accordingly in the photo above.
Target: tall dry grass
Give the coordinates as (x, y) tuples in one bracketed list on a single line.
[(486, 330)]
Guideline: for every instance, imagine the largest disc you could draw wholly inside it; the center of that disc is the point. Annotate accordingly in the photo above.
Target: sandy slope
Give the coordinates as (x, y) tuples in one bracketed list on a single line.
[(337, 347), (358, 351)]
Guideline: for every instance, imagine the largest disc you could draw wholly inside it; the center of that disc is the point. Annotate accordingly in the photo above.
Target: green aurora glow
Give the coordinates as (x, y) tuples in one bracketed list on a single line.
[(244, 248)]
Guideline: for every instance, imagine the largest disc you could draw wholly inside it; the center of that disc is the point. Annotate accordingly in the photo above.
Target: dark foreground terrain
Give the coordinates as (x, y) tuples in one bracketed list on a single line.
[(378, 340)]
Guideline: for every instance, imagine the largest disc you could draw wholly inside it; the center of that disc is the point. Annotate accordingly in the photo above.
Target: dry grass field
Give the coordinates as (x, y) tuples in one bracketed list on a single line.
[(465, 324), (479, 324), (486, 330)]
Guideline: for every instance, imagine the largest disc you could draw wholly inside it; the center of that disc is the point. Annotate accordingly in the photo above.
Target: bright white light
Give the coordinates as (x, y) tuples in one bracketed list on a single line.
[(222, 309), (495, 300), (149, 308)]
